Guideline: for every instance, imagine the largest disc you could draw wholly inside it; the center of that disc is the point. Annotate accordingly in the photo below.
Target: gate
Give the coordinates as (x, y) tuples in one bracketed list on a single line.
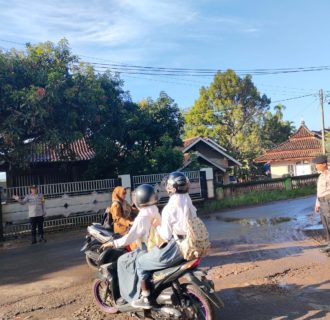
[(195, 191)]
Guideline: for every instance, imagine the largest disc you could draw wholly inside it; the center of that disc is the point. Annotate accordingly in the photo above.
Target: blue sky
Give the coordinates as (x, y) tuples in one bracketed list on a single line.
[(219, 34)]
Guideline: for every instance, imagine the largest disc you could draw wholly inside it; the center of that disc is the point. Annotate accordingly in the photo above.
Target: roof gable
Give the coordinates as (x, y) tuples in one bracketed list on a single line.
[(189, 143), (199, 155), (304, 144), (302, 132)]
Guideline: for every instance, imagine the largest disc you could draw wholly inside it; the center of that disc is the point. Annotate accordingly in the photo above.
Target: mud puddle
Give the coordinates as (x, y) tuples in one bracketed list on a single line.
[(255, 222)]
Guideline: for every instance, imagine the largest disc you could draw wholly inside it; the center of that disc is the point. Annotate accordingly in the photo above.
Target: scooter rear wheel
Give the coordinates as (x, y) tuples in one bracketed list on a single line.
[(102, 296), (199, 307)]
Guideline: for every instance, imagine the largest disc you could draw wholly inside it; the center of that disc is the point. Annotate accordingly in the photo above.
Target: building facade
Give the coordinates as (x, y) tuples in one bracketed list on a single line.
[(208, 153), (294, 156)]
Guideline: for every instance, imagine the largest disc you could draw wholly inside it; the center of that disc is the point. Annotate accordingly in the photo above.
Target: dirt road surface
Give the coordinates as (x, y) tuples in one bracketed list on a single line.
[(263, 264)]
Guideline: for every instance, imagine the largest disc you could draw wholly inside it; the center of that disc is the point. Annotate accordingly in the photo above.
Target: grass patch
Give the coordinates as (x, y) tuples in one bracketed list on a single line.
[(256, 197)]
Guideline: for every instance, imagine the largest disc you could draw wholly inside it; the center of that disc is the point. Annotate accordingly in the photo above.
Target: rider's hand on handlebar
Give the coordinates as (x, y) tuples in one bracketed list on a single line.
[(106, 245)]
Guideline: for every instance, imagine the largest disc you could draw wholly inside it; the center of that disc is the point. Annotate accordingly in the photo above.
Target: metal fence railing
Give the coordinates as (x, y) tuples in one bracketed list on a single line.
[(15, 230), (57, 190), (303, 181), (158, 177), (271, 184), (195, 190)]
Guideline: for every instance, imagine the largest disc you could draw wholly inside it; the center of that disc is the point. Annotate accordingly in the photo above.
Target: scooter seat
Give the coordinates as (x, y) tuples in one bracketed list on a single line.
[(158, 275), (102, 230)]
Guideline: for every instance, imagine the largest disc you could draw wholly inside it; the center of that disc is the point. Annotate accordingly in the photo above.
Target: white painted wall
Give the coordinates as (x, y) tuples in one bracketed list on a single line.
[(15, 212), (278, 169), (303, 169)]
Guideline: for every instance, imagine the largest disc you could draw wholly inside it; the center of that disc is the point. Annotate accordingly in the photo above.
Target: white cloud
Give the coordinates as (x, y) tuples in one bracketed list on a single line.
[(106, 22), (102, 28), (121, 30), (251, 30)]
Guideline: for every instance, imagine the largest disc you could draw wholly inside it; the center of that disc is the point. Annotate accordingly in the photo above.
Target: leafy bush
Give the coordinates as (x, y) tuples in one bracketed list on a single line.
[(256, 197)]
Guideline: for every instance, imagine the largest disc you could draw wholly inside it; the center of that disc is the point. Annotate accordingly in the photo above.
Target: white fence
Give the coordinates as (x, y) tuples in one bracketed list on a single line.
[(57, 190), (65, 206), (79, 203), (12, 231)]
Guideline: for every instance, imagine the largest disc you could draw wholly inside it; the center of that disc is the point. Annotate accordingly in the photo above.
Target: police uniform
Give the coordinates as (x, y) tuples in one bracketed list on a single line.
[(323, 196), (36, 203)]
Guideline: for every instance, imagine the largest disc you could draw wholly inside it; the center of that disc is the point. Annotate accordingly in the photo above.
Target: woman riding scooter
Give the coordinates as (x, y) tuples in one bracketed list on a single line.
[(172, 229), (145, 198)]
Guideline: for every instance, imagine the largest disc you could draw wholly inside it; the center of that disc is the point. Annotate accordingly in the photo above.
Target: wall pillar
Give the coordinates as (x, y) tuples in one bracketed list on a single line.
[(209, 182), (126, 183)]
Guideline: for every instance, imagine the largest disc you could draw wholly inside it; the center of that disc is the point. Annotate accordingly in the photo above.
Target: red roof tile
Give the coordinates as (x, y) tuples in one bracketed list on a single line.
[(81, 151), (304, 144), (188, 142)]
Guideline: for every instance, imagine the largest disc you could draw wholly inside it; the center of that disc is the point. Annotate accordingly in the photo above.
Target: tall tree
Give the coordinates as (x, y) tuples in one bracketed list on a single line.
[(46, 97), (157, 135), (230, 110), (274, 129)]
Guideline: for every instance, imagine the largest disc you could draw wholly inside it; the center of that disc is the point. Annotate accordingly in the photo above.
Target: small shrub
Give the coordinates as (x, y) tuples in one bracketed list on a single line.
[(256, 197)]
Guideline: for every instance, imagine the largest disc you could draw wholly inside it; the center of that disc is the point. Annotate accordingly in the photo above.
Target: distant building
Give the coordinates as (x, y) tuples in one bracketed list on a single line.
[(209, 154), (48, 167), (294, 156)]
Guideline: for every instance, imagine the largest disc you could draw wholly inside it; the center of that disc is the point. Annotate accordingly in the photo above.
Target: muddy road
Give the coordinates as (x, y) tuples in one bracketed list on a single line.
[(262, 262)]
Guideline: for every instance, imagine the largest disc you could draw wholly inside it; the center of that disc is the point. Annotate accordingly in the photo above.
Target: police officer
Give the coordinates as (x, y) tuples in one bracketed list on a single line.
[(323, 196), (36, 205)]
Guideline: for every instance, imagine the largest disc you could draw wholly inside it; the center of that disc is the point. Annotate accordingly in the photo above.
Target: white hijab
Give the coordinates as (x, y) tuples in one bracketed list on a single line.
[(183, 201)]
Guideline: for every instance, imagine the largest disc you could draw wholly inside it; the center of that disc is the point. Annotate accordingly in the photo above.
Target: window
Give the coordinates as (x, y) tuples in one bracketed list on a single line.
[(291, 170), (219, 177)]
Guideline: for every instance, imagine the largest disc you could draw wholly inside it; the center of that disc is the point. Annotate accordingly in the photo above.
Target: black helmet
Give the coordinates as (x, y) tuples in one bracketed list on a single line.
[(177, 182), (144, 196)]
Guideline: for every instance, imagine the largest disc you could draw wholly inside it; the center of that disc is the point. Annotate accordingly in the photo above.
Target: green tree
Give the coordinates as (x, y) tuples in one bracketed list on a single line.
[(165, 157), (230, 111), (49, 97), (46, 97), (144, 139), (327, 141), (274, 129), (154, 136)]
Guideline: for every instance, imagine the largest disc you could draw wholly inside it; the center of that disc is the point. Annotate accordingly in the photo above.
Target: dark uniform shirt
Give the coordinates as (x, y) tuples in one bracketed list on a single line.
[(323, 186)]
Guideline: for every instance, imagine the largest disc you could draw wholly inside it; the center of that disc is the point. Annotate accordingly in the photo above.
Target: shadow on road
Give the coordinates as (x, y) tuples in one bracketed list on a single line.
[(26, 264), (273, 301), (256, 254)]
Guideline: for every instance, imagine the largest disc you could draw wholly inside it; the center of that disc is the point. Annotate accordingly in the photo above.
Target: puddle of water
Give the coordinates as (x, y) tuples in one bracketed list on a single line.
[(255, 222)]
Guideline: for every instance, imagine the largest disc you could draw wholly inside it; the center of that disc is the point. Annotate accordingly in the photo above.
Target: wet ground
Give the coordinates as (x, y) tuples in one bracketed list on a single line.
[(263, 264)]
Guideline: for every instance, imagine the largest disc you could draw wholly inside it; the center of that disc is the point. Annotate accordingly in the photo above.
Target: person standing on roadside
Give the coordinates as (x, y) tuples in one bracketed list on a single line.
[(323, 196), (36, 205)]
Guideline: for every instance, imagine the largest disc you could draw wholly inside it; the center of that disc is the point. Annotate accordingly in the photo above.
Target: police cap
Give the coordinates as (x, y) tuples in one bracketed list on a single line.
[(320, 159)]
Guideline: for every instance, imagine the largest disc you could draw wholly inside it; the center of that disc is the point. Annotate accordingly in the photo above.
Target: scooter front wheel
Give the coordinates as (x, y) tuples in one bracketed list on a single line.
[(91, 263), (102, 296)]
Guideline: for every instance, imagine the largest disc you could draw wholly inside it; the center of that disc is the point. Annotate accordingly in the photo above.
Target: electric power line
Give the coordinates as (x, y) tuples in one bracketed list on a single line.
[(200, 72)]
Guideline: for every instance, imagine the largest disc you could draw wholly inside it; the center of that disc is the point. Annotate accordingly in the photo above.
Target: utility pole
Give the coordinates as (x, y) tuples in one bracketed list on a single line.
[(1, 225), (322, 119)]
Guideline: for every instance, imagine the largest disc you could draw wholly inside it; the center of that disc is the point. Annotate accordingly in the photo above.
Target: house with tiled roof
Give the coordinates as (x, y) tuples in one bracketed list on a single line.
[(294, 156), (208, 153), (57, 165), (52, 165)]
